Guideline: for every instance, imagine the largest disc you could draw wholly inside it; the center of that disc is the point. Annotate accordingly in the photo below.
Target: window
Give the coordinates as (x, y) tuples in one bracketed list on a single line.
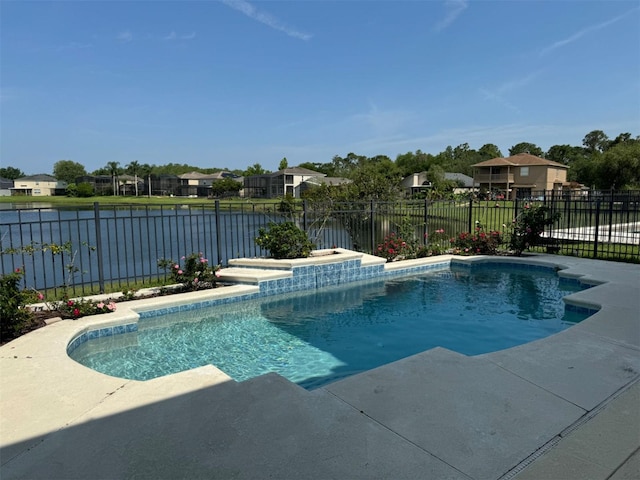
[(524, 171)]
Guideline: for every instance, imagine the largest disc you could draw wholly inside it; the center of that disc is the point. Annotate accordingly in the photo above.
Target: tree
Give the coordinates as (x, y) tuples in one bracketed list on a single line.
[(85, 189), (411, 162), (619, 167), (318, 167), (283, 164), (132, 169), (226, 185), (489, 151), (68, 170), (255, 169), (565, 154), (526, 147), (596, 141), (114, 170), (11, 173)]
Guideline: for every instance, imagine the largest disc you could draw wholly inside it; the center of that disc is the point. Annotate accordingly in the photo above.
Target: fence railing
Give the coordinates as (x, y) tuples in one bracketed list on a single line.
[(116, 247)]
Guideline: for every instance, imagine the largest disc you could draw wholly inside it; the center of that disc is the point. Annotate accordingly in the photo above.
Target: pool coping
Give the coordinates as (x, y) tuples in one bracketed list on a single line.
[(68, 394)]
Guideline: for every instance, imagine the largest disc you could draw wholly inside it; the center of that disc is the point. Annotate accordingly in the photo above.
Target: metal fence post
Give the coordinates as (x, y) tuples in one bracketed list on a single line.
[(218, 244), (304, 215), (597, 227), (373, 227), (425, 230), (470, 225), (96, 217)]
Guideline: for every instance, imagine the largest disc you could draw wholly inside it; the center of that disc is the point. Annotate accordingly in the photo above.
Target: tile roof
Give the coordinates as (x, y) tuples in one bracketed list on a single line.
[(521, 159)]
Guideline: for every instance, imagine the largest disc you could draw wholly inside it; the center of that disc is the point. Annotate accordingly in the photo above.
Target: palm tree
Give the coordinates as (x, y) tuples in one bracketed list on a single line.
[(113, 167), (134, 167)]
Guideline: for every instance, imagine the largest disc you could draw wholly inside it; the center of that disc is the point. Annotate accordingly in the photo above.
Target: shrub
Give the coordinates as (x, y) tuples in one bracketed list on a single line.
[(394, 248), (284, 240), (195, 274), (76, 308), (438, 242), (528, 227), (14, 315), (477, 243)]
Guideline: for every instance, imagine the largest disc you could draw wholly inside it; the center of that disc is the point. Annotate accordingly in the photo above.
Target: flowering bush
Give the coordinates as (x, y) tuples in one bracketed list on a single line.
[(394, 248), (477, 243), (529, 225), (195, 274), (438, 242), (76, 308)]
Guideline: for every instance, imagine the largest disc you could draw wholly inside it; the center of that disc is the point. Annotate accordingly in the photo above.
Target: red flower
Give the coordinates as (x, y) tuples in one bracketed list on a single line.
[(70, 303), (76, 312), (17, 270)]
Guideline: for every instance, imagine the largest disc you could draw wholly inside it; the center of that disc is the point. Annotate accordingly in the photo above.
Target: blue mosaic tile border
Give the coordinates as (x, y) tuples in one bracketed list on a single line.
[(580, 309), (100, 333)]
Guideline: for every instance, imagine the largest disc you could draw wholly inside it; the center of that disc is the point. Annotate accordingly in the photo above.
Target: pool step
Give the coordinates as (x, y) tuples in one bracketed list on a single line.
[(251, 276)]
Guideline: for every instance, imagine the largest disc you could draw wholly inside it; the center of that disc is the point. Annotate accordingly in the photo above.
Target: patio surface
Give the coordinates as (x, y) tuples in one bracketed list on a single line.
[(564, 407)]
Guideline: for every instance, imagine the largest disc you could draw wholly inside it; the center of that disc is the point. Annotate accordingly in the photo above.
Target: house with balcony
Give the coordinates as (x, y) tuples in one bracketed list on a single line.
[(278, 184), (519, 176), (41, 185)]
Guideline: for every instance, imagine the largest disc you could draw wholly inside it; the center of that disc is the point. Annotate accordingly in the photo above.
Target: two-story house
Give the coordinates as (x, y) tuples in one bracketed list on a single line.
[(278, 184), (41, 185), (519, 175)]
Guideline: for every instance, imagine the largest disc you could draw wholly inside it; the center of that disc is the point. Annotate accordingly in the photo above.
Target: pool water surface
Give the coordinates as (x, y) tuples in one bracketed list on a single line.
[(316, 337)]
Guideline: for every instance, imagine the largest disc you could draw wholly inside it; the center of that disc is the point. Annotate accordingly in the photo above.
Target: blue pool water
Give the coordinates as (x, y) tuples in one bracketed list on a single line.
[(316, 337)]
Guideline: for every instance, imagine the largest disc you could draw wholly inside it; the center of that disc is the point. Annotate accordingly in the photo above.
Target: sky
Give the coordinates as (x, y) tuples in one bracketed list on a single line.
[(231, 83)]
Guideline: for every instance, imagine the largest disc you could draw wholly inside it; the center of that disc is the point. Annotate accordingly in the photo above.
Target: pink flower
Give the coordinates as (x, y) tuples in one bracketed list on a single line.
[(182, 257), (111, 306), (40, 296), (203, 260), (176, 266), (179, 272), (100, 305), (218, 274)]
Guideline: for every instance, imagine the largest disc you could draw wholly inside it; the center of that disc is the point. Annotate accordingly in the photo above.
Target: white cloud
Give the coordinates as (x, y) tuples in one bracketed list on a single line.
[(189, 36), (125, 36), (265, 18), (171, 36), (583, 32), (454, 10)]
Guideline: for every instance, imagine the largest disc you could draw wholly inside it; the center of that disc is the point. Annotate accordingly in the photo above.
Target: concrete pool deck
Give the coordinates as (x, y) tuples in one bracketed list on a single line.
[(564, 407)]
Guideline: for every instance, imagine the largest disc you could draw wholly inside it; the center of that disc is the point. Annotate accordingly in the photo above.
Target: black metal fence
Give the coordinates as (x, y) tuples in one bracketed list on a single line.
[(118, 247)]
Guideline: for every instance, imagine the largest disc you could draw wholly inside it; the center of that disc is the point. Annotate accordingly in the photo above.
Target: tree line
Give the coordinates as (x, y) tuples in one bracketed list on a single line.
[(600, 162)]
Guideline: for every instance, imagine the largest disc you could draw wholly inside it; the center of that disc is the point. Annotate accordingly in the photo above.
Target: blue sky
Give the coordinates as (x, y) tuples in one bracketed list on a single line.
[(232, 83)]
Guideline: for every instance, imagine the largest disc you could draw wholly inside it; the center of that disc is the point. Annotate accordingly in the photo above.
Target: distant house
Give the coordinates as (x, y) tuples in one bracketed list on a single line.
[(102, 184), (196, 184), (41, 185), (464, 182), (278, 184), (520, 175), (5, 187), (415, 183)]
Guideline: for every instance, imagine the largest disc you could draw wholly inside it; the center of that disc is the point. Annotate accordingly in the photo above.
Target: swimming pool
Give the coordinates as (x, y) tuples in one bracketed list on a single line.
[(319, 336)]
